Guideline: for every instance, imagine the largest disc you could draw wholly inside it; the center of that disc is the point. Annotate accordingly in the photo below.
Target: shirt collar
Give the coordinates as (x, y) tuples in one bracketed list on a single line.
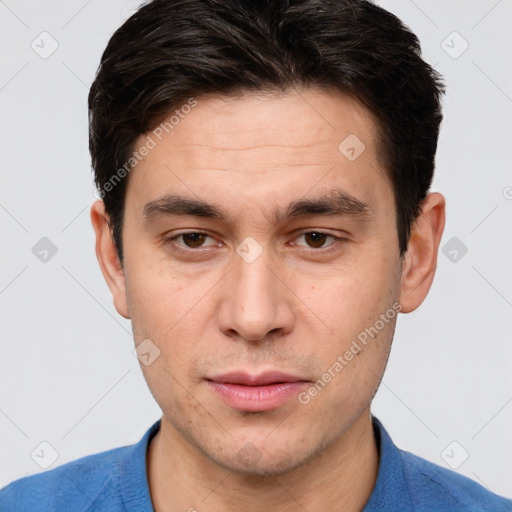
[(390, 487), (133, 481)]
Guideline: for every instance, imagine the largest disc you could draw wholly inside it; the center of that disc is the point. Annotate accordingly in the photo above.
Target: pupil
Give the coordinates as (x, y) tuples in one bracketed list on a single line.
[(318, 238), (196, 237)]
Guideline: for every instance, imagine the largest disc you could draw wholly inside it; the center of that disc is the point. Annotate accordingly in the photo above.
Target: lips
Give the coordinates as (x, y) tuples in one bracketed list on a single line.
[(256, 393), (264, 379)]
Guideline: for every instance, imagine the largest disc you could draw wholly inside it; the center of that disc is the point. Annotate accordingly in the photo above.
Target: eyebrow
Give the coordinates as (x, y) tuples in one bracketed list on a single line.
[(338, 203)]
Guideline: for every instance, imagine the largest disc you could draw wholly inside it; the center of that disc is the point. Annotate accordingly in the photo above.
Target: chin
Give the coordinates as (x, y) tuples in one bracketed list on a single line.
[(264, 467), (265, 459)]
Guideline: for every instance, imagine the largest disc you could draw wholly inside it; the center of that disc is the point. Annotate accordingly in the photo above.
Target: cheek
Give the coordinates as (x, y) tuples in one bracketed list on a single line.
[(172, 393), (353, 366), (158, 301), (352, 297), (173, 314)]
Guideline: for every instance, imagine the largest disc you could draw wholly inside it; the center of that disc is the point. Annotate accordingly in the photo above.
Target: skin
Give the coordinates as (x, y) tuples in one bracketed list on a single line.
[(292, 309)]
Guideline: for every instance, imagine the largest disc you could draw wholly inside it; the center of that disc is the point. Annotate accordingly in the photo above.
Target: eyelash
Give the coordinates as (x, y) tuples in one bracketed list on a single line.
[(324, 250)]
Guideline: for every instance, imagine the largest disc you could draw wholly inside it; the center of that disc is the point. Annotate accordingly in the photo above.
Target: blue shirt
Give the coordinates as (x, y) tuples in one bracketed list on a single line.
[(116, 481)]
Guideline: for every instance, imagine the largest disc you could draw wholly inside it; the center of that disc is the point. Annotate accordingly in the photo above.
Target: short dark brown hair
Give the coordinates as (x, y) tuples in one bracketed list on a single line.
[(172, 50)]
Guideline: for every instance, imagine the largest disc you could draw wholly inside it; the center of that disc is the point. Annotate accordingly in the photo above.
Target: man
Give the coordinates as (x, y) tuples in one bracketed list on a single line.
[(264, 170)]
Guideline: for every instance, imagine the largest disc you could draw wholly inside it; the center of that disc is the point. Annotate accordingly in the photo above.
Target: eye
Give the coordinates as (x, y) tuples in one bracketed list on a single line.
[(195, 240), (316, 239), (191, 240)]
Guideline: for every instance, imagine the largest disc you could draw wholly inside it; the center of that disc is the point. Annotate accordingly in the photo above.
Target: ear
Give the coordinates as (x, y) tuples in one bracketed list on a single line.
[(420, 260), (108, 259)]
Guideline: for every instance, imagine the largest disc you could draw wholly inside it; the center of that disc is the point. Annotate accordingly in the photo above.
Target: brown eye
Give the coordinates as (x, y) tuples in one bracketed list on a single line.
[(316, 239), (191, 240), (194, 240)]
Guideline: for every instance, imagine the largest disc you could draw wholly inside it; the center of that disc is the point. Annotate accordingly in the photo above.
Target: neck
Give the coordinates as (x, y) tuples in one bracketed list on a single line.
[(342, 477)]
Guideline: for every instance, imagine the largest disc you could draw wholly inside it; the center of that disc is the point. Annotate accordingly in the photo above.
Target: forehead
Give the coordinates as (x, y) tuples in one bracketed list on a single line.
[(263, 148)]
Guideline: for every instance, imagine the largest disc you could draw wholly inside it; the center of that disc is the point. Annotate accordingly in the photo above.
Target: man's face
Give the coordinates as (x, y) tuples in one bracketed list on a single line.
[(253, 294)]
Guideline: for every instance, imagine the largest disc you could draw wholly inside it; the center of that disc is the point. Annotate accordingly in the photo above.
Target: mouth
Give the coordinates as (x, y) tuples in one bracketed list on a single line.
[(256, 393)]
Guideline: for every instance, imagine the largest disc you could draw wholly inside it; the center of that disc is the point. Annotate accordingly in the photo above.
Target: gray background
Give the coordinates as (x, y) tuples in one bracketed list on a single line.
[(68, 376)]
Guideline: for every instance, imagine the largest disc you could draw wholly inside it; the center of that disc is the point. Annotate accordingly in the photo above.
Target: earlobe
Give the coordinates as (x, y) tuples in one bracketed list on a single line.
[(108, 259), (420, 260)]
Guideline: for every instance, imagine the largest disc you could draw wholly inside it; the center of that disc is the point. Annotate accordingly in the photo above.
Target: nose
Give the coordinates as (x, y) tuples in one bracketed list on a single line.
[(256, 301)]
